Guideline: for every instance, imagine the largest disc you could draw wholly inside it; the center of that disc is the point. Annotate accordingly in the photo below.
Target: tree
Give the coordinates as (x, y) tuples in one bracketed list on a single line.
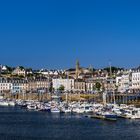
[(98, 86), (21, 67), (29, 75), (61, 88), (51, 89), (9, 69), (114, 69)]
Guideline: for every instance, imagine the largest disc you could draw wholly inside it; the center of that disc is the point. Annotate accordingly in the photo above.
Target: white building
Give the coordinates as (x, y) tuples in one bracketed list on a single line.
[(67, 83), (123, 82), (136, 80), (4, 68), (5, 85), (19, 71)]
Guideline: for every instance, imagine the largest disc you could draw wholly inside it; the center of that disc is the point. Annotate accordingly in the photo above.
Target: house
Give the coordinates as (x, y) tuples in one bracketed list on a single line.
[(20, 71), (79, 85), (67, 83), (5, 85), (136, 80)]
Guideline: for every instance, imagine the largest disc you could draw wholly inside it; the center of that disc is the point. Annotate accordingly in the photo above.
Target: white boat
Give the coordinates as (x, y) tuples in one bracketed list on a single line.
[(131, 114), (31, 107), (78, 110), (11, 103), (66, 110), (55, 110), (117, 111), (4, 103), (88, 109)]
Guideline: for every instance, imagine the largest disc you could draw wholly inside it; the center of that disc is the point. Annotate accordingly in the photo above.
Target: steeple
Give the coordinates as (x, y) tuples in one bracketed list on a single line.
[(77, 68), (110, 67), (90, 68)]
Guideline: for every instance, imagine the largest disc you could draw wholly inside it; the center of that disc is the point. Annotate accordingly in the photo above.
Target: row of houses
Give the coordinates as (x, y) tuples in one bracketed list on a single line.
[(75, 85), (18, 85), (129, 81), (74, 79)]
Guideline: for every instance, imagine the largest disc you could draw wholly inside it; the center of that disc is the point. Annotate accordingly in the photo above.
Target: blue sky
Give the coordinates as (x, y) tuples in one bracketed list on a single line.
[(54, 33)]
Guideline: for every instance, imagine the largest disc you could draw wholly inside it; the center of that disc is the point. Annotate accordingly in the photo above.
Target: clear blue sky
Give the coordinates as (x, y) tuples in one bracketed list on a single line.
[(54, 33)]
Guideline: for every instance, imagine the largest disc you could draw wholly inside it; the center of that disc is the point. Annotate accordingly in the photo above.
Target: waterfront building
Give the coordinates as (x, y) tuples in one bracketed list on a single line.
[(35, 84), (110, 84), (67, 83), (90, 84), (79, 85), (124, 83), (5, 84), (19, 85), (136, 80)]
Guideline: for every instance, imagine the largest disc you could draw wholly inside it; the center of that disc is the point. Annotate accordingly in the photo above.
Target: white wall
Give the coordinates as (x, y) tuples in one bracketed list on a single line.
[(136, 80), (67, 83)]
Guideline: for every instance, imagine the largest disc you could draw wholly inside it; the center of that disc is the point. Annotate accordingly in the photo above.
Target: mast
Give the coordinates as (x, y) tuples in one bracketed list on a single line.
[(66, 90), (111, 84), (0, 69)]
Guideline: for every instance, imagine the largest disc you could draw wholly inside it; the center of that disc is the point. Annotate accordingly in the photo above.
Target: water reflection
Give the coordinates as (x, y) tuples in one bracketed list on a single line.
[(17, 124)]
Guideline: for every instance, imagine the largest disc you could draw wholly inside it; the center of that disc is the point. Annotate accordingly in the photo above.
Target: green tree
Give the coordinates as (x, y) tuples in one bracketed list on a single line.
[(51, 89), (61, 88), (114, 69), (21, 67), (98, 86)]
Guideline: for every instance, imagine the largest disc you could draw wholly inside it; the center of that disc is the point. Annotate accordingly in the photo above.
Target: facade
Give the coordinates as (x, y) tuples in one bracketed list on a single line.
[(5, 85), (90, 84), (110, 84), (124, 83), (67, 83), (19, 85), (19, 71), (38, 84), (80, 85), (136, 80)]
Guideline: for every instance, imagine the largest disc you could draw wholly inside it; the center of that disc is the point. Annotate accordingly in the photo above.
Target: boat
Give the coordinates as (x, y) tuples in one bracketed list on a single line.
[(3, 103), (79, 110), (11, 103), (55, 110), (109, 115), (131, 114), (66, 110), (88, 109), (31, 107)]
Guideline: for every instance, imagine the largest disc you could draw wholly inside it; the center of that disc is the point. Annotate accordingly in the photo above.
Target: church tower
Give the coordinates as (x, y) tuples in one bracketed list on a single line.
[(77, 69)]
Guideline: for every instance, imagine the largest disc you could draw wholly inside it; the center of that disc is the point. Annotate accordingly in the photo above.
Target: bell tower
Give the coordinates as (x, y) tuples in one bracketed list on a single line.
[(77, 69)]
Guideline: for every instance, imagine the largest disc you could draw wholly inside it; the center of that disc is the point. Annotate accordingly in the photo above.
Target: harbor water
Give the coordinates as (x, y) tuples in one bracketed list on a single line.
[(20, 124)]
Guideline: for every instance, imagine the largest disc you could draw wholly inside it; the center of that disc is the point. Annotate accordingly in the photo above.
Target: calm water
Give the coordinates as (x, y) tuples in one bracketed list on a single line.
[(17, 124)]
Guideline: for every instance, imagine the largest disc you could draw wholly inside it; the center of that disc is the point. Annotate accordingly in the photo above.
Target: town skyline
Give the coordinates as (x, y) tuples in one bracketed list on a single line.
[(73, 66)]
